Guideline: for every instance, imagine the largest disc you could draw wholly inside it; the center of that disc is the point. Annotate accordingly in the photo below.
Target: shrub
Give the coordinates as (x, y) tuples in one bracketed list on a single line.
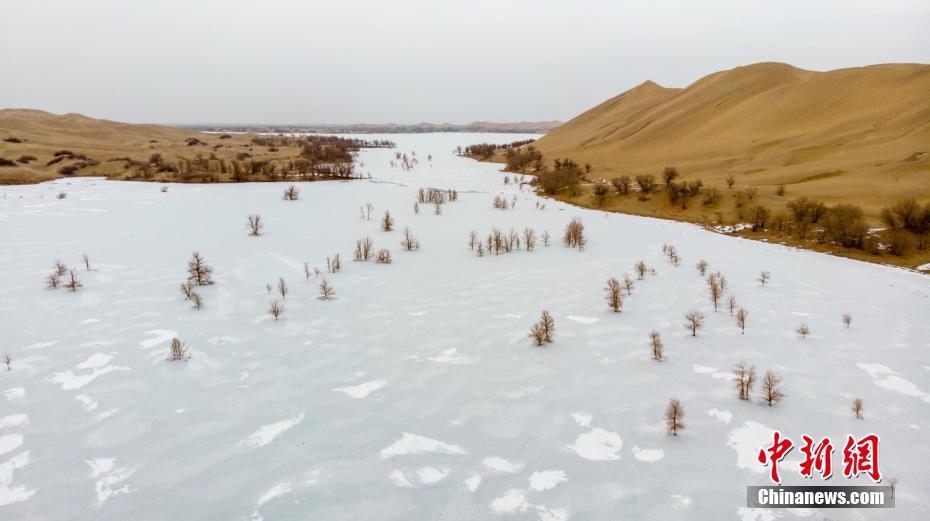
[(745, 378), (574, 234), (614, 295), (646, 182), (326, 290), (291, 193), (275, 309), (655, 343), (255, 225), (845, 225), (178, 351), (383, 256), (694, 321), (622, 184), (387, 222), (771, 394), (674, 413), (198, 271)]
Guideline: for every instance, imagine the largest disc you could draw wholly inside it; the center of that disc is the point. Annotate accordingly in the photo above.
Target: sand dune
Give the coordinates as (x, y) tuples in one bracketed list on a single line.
[(857, 135)]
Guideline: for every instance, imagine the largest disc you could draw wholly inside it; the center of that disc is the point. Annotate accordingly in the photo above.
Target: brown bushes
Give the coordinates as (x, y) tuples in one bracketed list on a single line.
[(655, 344), (574, 234), (363, 249), (614, 295), (745, 378), (198, 271), (387, 222), (383, 256), (178, 352), (409, 241), (544, 330), (694, 321), (771, 394), (255, 225), (741, 317), (674, 413), (291, 193), (326, 290), (275, 309)]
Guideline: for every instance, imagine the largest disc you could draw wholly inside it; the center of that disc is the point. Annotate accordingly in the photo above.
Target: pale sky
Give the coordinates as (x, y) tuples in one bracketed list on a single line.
[(407, 61)]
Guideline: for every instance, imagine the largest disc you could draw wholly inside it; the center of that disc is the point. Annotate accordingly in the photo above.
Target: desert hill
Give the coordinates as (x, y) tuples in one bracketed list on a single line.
[(859, 135)]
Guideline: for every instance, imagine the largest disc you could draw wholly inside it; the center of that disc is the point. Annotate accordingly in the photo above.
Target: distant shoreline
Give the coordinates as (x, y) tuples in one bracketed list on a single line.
[(536, 127)]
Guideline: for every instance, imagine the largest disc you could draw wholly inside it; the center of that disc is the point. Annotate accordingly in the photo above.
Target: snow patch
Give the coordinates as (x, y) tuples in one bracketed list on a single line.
[(409, 478), (14, 393), (267, 433), (502, 465), (512, 502), (14, 420), (96, 360), (746, 441), (597, 445), (278, 490), (582, 418), (361, 390), (10, 442), (724, 416), (648, 455), (70, 381), (416, 444), (8, 493), (88, 403), (109, 478), (447, 356), (471, 484), (159, 336), (887, 378), (582, 320), (546, 479)]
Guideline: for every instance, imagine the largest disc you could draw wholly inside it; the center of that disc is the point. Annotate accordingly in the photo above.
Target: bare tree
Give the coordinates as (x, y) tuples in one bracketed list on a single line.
[(275, 309), (480, 249), (614, 294), (641, 270), (387, 222), (702, 267), (60, 268), (473, 239), (308, 271), (198, 271), (268, 288), (803, 330), (694, 321), (409, 242), (857, 408), (8, 361), (658, 349), (326, 290), (537, 334), (627, 284), (529, 238), (771, 394), (731, 304), (366, 211), (764, 277), (53, 281), (715, 289), (741, 316), (363, 249), (197, 300), (282, 288), (255, 225), (178, 351), (383, 256), (73, 283), (187, 288), (86, 261), (745, 378), (547, 239), (847, 320), (574, 234), (291, 193), (416, 208), (674, 414), (893, 483), (731, 181)]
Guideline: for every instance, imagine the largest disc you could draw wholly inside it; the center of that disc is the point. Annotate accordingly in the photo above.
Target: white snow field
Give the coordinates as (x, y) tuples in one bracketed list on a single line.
[(416, 393)]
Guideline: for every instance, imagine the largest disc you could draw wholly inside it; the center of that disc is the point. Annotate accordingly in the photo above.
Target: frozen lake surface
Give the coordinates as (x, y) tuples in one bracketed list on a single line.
[(416, 394)]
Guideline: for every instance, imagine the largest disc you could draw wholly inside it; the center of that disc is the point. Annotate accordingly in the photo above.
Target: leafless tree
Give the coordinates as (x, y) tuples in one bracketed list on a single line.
[(529, 238), (628, 284), (741, 317), (614, 294), (8, 361), (197, 300), (53, 281), (702, 267), (255, 225), (764, 277), (282, 288), (641, 270), (731, 304), (803, 330), (60, 268), (291, 193), (409, 242), (745, 378), (893, 483), (326, 290), (547, 239), (674, 414), (308, 271), (847, 319), (731, 181), (187, 288), (387, 222), (86, 261), (179, 352), (383, 256), (472, 239), (857, 408), (198, 271), (694, 321), (416, 208), (574, 234), (275, 309), (480, 249), (363, 249), (73, 283), (771, 394), (437, 208), (537, 334), (658, 349), (366, 211), (715, 290)]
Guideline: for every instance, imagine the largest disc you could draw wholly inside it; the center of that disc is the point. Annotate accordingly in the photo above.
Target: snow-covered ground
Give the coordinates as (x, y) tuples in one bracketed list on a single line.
[(416, 393)]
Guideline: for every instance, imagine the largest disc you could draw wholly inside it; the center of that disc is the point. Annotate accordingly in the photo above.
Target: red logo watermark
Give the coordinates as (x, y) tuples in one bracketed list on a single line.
[(859, 456)]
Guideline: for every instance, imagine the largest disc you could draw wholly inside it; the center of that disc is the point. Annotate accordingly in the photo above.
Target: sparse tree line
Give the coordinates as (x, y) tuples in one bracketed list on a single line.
[(66, 277)]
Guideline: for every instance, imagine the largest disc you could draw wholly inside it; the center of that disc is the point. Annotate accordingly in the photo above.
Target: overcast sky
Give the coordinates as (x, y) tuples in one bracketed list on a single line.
[(406, 61)]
